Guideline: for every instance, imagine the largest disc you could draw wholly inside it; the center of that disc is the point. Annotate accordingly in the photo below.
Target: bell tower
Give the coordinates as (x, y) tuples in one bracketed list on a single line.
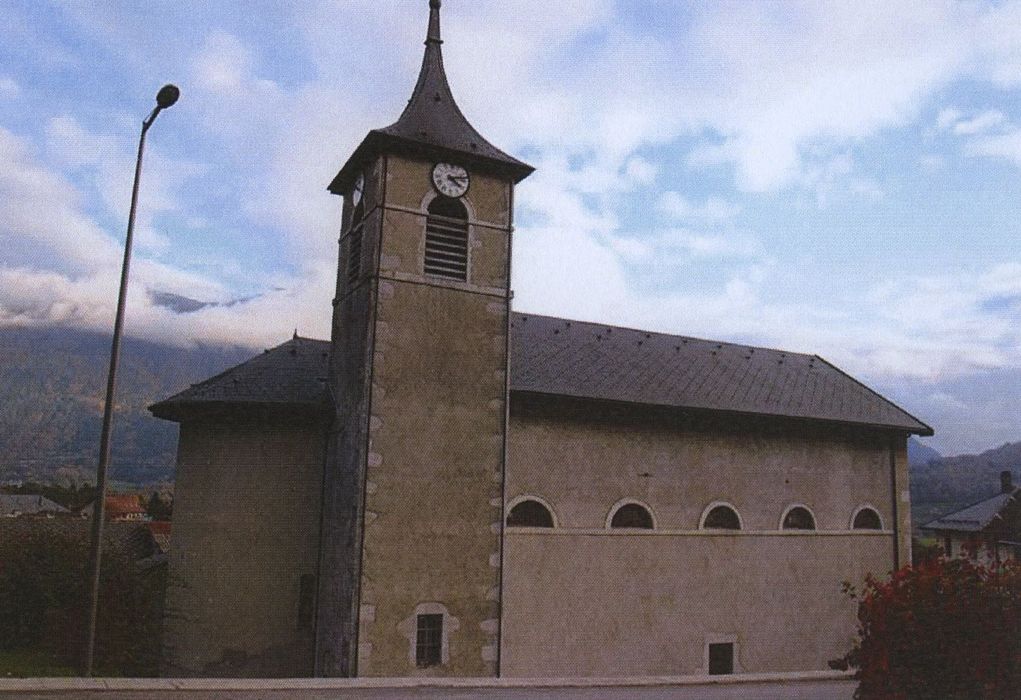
[(409, 574)]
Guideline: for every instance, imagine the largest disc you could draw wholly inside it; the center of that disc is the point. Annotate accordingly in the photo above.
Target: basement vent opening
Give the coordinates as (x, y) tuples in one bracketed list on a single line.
[(446, 240)]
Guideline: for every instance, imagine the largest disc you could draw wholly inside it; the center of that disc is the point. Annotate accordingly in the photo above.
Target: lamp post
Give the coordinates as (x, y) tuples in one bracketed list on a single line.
[(166, 97)]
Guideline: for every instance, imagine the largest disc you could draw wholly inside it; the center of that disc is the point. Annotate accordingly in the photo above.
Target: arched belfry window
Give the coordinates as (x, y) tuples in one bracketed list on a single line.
[(354, 244), (721, 516), (632, 515), (529, 513), (446, 239), (866, 518), (798, 518)]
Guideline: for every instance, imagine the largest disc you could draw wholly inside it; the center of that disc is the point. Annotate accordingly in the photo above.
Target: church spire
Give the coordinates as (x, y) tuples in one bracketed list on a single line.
[(433, 37), (432, 126)]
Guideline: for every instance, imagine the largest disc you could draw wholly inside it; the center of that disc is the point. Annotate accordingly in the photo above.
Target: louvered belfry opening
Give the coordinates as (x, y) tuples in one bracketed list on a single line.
[(354, 245), (446, 239)]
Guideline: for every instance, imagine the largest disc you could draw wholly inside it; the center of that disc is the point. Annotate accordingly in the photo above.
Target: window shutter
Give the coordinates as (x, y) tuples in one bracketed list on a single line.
[(446, 247)]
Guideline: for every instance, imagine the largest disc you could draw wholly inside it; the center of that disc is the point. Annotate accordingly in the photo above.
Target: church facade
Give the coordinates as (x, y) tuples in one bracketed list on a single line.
[(448, 487)]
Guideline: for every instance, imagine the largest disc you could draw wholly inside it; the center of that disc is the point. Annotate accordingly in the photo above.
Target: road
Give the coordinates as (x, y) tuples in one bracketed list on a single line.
[(802, 690)]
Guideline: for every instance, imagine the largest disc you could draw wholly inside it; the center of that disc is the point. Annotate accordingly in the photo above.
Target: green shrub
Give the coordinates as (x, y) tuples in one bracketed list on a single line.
[(44, 589)]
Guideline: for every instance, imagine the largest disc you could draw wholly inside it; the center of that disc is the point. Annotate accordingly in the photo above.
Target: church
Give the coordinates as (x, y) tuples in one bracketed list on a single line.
[(448, 487)]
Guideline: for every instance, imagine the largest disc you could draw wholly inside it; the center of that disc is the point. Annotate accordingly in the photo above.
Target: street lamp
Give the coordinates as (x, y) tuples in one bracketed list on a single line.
[(166, 97)]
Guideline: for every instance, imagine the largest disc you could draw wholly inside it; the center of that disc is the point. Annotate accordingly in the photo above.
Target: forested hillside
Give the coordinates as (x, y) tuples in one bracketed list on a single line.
[(53, 383)]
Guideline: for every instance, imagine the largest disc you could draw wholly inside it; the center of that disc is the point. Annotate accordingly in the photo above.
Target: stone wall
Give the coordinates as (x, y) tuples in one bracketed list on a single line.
[(432, 509)]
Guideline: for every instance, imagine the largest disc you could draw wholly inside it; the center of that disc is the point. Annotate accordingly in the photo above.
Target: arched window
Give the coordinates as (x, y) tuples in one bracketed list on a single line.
[(632, 515), (722, 517), (867, 519), (529, 513), (446, 239), (798, 518), (354, 244)]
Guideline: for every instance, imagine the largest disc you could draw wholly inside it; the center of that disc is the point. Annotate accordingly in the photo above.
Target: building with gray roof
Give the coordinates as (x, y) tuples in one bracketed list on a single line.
[(989, 530), (448, 487)]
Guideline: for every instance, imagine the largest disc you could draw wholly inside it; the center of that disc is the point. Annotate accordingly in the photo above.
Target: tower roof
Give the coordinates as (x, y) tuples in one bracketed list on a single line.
[(432, 125)]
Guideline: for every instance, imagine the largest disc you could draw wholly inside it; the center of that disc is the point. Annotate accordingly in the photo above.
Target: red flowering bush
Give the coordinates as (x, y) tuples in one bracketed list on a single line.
[(945, 628)]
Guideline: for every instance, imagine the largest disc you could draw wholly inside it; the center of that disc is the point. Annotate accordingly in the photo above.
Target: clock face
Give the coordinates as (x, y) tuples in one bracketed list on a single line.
[(450, 180), (356, 191)]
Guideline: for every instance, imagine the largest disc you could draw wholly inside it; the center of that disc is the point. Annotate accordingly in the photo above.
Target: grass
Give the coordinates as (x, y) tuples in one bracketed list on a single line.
[(31, 663)]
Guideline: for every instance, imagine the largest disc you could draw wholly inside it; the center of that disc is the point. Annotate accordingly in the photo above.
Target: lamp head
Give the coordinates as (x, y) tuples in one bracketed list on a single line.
[(167, 96)]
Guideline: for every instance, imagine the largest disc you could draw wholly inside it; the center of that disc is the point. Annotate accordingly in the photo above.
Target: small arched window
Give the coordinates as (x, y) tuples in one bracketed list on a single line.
[(632, 515), (867, 519), (446, 239), (722, 518), (529, 513), (798, 518), (354, 244)]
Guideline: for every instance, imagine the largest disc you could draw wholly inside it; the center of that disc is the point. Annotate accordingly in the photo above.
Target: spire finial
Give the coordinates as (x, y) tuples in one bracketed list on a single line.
[(434, 23)]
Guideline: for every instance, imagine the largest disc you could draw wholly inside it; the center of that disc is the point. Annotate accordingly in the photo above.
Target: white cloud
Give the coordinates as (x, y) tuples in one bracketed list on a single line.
[(1006, 146), (9, 88), (39, 208), (714, 209), (979, 123), (947, 117)]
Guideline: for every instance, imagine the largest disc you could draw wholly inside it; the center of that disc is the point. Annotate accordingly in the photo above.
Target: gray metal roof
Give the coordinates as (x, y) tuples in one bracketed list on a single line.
[(976, 517), (431, 124), (559, 357)]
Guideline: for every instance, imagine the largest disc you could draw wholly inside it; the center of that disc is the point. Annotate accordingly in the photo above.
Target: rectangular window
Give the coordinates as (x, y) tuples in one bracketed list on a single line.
[(429, 641), (446, 247), (721, 659), (354, 255)]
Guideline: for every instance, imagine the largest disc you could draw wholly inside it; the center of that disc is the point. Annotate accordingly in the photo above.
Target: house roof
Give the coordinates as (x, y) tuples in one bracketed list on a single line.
[(431, 124), (28, 504), (122, 504), (975, 517), (559, 357)]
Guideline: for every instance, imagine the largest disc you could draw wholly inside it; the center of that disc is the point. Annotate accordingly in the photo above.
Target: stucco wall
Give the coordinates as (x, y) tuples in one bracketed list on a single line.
[(584, 600), (246, 528)]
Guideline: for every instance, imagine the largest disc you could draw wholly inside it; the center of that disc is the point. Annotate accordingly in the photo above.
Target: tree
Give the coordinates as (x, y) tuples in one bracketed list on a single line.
[(159, 506), (945, 628), (43, 593)]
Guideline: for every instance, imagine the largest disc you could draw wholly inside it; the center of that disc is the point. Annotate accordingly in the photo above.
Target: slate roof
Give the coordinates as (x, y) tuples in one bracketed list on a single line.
[(590, 360), (431, 124), (559, 357), (976, 517), (289, 375)]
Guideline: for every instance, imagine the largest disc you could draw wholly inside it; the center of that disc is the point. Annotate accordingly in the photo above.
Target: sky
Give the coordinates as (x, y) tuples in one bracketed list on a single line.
[(835, 178)]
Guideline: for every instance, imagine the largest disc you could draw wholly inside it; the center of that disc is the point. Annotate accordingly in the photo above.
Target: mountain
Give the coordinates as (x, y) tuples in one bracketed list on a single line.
[(54, 381), (920, 454), (946, 484)]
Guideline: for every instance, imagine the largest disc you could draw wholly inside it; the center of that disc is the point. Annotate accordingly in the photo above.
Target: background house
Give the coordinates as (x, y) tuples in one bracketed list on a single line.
[(989, 530)]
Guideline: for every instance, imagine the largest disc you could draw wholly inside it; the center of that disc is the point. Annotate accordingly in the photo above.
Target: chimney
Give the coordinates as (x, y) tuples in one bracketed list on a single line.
[(1006, 486)]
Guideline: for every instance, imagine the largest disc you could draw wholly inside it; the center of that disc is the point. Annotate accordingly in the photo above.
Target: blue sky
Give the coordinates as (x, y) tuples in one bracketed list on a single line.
[(835, 178)]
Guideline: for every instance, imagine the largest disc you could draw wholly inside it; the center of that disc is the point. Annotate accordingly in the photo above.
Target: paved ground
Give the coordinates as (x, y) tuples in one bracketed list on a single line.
[(803, 690)]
